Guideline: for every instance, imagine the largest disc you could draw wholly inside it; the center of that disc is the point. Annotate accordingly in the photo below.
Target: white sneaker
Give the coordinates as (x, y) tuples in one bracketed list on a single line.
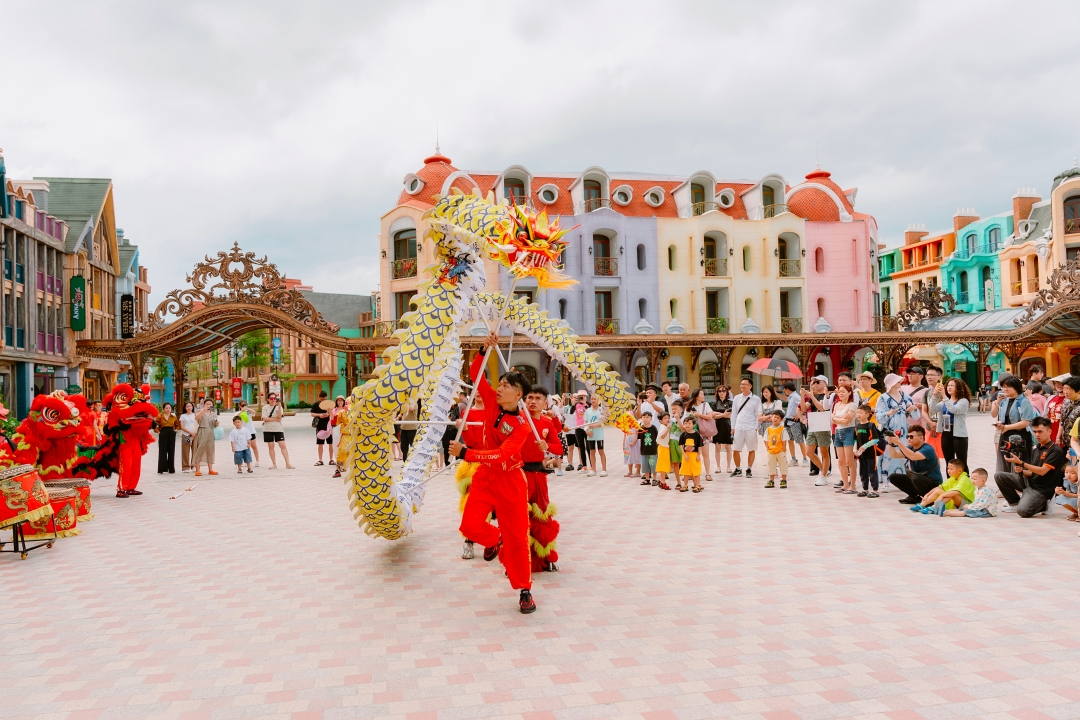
[(603, 473), (805, 462), (1006, 507), (590, 474), (821, 481), (558, 472), (467, 551)]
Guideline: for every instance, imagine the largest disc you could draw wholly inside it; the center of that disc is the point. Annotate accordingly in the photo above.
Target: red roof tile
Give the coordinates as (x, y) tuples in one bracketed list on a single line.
[(562, 205), (738, 208), (814, 204), (434, 173), (637, 206)]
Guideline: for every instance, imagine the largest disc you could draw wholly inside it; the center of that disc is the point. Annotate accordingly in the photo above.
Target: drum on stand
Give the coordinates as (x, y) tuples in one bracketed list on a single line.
[(80, 486), (23, 500), (63, 522)]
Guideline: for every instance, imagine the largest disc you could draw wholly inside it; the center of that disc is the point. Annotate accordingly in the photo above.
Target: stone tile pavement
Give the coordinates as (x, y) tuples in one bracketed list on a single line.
[(256, 596)]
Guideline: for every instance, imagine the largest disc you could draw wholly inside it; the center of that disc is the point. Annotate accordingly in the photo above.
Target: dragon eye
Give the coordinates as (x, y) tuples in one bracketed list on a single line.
[(51, 415), (122, 399)]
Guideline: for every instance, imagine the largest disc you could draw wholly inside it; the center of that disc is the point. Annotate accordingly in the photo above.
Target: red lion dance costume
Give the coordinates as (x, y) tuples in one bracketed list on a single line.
[(543, 528), (499, 484), (127, 435)]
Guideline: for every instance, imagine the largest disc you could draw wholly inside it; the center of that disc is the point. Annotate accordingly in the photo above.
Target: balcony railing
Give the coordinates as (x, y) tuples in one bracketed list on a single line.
[(1072, 226), (1018, 288), (520, 200), (909, 265), (716, 326), (790, 325), (596, 204), (790, 268), (386, 328), (606, 266), (1033, 285), (983, 249), (715, 267), (700, 208), (935, 259), (771, 211), (404, 268), (607, 326), (962, 297)]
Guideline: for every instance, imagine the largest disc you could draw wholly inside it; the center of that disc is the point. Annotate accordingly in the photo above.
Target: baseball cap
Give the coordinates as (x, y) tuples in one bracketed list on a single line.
[(870, 375), (820, 378), (917, 369)]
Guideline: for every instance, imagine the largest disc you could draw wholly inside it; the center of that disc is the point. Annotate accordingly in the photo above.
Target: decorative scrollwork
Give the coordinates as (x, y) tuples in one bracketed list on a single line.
[(1064, 282), (930, 302), (238, 277)]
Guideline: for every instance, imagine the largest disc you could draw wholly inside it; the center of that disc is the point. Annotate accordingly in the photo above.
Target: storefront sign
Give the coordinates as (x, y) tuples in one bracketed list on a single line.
[(274, 388), (237, 387), (44, 370), (127, 316), (217, 394), (959, 366), (78, 303), (73, 389)]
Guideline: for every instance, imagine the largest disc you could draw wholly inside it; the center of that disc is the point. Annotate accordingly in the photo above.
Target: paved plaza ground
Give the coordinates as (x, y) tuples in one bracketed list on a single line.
[(257, 596)]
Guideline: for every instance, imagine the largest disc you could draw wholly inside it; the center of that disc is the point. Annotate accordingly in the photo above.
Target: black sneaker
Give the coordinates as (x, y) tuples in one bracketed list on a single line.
[(909, 500), (814, 470), (737, 472), (770, 484), (492, 552), (525, 603), (749, 473), (783, 483)]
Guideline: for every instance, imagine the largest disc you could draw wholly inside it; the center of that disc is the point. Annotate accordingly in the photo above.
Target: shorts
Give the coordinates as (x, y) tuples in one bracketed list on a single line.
[(983, 513), (745, 440), (845, 437), (778, 460), (648, 464), (271, 437), (252, 436), (819, 438), (239, 457), (594, 444), (794, 431)]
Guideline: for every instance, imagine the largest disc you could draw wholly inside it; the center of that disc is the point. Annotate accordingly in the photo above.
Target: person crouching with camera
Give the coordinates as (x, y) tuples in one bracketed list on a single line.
[(924, 473), (1030, 486)]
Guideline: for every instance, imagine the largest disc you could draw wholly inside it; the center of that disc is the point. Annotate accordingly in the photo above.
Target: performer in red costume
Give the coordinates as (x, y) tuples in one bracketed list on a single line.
[(543, 528), (499, 484)]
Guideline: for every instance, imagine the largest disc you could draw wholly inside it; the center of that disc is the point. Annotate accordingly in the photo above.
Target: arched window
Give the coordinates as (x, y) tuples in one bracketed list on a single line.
[(994, 239), (640, 257), (601, 245), (641, 307), (1072, 215), (710, 378), (514, 190), (592, 190), (781, 248), (671, 258), (673, 306), (970, 240), (746, 258), (562, 309), (821, 307), (964, 280), (405, 244), (528, 371), (748, 305), (819, 260), (697, 193), (767, 197)]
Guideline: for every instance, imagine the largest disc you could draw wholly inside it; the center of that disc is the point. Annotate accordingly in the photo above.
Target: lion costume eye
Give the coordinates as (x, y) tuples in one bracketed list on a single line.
[(51, 415), (121, 399)]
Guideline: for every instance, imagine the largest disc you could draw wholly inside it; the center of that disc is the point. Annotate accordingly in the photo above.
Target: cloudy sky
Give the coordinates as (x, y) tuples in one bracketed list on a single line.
[(288, 127)]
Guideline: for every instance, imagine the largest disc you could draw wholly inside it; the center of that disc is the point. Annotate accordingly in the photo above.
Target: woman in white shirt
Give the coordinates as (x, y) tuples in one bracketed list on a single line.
[(843, 416), (188, 427)]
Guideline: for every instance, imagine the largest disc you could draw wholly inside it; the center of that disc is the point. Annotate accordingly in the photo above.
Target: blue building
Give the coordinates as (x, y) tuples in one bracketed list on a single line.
[(972, 273)]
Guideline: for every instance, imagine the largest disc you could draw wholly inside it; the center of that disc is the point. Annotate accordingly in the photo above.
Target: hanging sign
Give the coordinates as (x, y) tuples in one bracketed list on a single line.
[(127, 316), (217, 394), (237, 387), (78, 303)]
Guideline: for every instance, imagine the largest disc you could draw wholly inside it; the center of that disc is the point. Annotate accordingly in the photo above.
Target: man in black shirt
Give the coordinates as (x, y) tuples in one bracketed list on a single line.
[(1030, 487)]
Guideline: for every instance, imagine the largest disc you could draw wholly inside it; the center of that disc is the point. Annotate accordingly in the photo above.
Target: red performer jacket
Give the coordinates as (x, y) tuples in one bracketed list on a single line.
[(549, 433), (503, 433)]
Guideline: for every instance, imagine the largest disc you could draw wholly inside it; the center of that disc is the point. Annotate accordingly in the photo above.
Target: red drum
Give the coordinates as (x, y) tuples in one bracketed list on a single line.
[(82, 487), (62, 522), (23, 497)]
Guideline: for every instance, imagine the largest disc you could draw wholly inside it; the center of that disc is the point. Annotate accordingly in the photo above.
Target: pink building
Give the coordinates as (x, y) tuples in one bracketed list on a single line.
[(841, 255)]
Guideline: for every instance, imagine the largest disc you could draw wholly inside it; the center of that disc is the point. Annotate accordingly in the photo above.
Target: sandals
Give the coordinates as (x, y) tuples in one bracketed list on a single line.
[(697, 489), (121, 494), (683, 489), (708, 478), (319, 463), (645, 482), (665, 486)]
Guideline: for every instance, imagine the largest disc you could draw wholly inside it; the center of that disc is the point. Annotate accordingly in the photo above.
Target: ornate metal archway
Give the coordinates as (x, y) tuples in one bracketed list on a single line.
[(230, 294)]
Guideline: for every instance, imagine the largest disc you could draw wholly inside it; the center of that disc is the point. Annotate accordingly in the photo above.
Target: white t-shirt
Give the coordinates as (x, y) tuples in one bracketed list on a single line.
[(704, 408), (189, 423), (849, 407), (239, 438), (820, 421), (748, 408), (655, 408)]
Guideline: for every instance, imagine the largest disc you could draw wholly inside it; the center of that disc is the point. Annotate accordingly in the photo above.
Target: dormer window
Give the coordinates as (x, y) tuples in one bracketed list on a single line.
[(697, 193), (654, 196), (548, 194), (413, 184), (592, 190), (623, 194), (514, 191), (767, 197)]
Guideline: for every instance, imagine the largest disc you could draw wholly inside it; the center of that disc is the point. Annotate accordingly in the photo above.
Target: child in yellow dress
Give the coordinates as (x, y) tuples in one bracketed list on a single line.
[(691, 444), (663, 452)]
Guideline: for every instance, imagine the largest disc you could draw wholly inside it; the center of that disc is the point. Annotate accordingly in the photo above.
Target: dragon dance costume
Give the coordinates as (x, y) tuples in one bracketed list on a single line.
[(499, 484), (543, 528)]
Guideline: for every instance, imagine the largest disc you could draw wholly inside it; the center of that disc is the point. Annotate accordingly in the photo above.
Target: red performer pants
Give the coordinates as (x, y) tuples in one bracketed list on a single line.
[(130, 466), (542, 530), (507, 495)]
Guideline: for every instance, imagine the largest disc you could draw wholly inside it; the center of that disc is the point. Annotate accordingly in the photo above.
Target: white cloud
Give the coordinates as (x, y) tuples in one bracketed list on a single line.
[(288, 127)]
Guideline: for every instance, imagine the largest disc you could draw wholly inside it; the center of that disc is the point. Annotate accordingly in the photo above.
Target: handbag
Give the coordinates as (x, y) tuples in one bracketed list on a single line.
[(706, 428)]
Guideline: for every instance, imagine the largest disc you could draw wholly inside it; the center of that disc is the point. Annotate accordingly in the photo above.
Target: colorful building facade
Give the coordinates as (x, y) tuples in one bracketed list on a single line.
[(663, 256)]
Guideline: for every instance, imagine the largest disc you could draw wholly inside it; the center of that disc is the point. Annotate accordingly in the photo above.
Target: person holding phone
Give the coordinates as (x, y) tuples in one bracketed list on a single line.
[(273, 432)]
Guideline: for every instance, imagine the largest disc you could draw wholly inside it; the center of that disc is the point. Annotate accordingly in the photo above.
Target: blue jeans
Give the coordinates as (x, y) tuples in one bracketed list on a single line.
[(242, 456), (978, 513), (648, 464)]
